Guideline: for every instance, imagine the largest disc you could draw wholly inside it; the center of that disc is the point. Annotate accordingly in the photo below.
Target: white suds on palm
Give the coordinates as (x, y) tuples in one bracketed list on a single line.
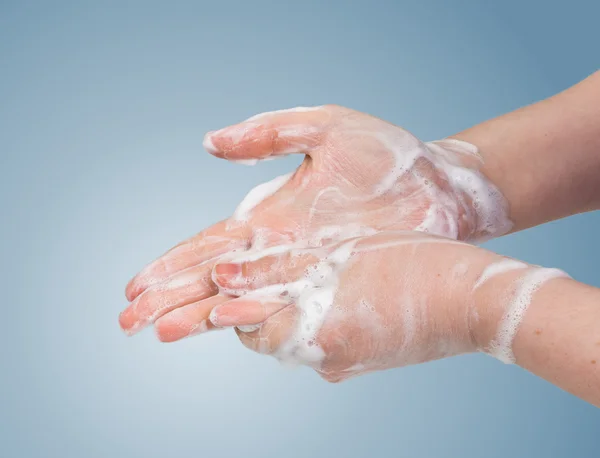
[(258, 194)]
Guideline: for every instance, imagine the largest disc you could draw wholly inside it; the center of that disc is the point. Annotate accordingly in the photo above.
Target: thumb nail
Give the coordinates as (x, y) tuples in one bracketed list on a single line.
[(227, 273)]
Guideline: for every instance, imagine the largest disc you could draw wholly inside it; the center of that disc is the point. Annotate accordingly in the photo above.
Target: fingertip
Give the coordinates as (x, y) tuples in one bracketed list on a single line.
[(128, 321), (252, 341), (131, 290), (213, 317), (143, 280), (333, 379), (166, 331), (228, 315), (208, 144), (125, 319)]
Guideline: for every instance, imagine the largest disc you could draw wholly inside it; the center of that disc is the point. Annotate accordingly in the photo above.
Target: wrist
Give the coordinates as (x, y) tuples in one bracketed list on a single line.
[(482, 209), (490, 297), (544, 157), (502, 302), (472, 310)]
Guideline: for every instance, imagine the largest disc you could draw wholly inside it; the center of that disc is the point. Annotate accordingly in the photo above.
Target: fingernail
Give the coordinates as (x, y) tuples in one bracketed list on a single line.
[(127, 320), (224, 317), (227, 316), (214, 317), (208, 144), (227, 273)]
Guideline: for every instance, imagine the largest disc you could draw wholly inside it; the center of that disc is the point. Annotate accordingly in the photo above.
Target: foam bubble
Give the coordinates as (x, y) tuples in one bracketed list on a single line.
[(498, 268), (501, 346), (288, 110), (258, 194)]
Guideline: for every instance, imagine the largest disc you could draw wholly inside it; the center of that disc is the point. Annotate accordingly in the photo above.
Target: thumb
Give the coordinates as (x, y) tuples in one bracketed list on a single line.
[(269, 337), (274, 269), (272, 134)]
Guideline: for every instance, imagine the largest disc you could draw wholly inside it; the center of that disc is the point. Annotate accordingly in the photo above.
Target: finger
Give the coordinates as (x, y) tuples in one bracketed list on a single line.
[(277, 133), (187, 286), (208, 244), (246, 311), (272, 334), (189, 320), (239, 275)]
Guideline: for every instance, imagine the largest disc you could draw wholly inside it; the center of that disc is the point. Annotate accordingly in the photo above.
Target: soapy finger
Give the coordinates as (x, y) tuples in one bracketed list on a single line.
[(208, 244), (271, 334), (274, 267), (189, 320), (247, 310), (188, 286), (276, 133)]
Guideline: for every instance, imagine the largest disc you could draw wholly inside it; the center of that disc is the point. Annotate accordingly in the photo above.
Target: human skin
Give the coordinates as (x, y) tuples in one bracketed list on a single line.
[(407, 298), (361, 175), (544, 159), (559, 337)]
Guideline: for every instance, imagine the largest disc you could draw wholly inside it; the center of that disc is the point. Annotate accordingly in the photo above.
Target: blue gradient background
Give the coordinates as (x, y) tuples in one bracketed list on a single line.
[(102, 112)]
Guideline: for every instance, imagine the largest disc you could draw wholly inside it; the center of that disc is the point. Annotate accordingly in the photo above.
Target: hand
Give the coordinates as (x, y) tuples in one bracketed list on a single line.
[(376, 302), (361, 175)]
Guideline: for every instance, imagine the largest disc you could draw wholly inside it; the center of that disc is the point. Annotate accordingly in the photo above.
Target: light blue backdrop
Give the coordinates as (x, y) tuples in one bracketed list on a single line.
[(103, 106)]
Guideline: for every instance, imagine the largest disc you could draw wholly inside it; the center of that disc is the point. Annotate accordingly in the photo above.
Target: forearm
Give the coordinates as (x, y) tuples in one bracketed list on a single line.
[(558, 338), (545, 158)]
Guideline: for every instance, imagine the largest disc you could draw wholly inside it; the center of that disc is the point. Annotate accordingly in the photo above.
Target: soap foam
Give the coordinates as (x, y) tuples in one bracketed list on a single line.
[(458, 199), (501, 346), (497, 268), (490, 206), (248, 162), (314, 293), (258, 194), (314, 296), (288, 110), (462, 196)]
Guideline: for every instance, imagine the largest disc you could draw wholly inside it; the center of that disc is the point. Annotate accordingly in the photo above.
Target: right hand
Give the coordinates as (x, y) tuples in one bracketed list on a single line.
[(375, 302)]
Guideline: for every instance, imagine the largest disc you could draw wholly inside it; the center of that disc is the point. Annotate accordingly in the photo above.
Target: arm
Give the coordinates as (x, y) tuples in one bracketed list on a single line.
[(347, 184), (395, 299), (361, 175), (545, 158), (559, 337)]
